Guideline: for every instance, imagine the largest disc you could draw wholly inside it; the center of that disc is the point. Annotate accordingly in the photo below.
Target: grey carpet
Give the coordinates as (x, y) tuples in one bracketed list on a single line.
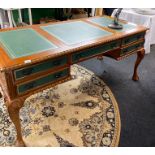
[(136, 100)]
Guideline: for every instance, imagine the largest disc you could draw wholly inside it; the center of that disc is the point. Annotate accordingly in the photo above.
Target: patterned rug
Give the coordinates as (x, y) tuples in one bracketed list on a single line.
[(80, 112)]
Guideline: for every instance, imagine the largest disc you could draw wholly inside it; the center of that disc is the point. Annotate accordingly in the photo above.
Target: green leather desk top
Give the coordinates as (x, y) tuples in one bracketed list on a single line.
[(23, 42), (104, 21), (19, 46), (75, 32)]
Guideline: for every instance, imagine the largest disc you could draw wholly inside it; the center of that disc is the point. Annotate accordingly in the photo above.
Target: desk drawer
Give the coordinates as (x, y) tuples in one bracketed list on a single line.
[(133, 38), (22, 88), (132, 48), (49, 64), (94, 51)]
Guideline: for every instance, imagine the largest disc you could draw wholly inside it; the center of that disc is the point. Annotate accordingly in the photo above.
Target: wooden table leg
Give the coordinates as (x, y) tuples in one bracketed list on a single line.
[(13, 109), (100, 57), (140, 56)]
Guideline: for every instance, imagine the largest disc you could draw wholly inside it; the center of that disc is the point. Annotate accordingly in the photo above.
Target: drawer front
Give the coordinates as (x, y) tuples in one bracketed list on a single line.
[(132, 48), (21, 73), (94, 51), (42, 81), (133, 38)]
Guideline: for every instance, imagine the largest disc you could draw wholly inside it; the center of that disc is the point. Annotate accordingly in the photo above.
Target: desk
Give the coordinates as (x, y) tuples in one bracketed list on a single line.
[(146, 20), (37, 57)]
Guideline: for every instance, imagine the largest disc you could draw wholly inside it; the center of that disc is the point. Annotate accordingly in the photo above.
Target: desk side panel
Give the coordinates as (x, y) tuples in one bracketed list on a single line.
[(3, 84)]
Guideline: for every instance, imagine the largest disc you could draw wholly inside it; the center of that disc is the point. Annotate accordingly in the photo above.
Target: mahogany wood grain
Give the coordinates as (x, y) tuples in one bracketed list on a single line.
[(13, 108), (140, 56)]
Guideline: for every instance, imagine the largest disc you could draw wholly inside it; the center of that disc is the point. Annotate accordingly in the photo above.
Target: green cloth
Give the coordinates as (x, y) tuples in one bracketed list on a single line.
[(75, 32), (104, 21), (24, 42)]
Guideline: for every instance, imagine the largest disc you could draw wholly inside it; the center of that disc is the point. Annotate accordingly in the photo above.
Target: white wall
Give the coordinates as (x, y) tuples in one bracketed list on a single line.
[(3, 19)]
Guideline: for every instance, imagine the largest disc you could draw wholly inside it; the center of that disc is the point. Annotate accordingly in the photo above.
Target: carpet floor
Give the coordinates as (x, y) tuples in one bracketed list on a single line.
[(136, 100)]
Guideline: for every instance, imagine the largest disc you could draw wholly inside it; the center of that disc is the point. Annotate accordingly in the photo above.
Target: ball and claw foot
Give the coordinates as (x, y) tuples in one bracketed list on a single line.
[(20, 144), (135, 78)]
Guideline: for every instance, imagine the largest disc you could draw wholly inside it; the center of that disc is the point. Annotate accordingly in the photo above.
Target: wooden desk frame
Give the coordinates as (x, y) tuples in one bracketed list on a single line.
[(8, 83)]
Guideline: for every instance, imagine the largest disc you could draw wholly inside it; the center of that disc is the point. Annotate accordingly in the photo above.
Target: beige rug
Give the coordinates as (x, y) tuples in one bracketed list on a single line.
[(80, 112)]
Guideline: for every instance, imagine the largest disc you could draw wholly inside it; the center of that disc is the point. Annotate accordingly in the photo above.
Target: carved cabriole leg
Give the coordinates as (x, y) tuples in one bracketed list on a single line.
[(140, 56), (13, 109)]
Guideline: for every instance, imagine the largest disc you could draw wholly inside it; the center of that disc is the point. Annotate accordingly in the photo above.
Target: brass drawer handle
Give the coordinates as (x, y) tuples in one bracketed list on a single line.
[(28, 71), (57, 62), (30, 85), (58, 75)]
